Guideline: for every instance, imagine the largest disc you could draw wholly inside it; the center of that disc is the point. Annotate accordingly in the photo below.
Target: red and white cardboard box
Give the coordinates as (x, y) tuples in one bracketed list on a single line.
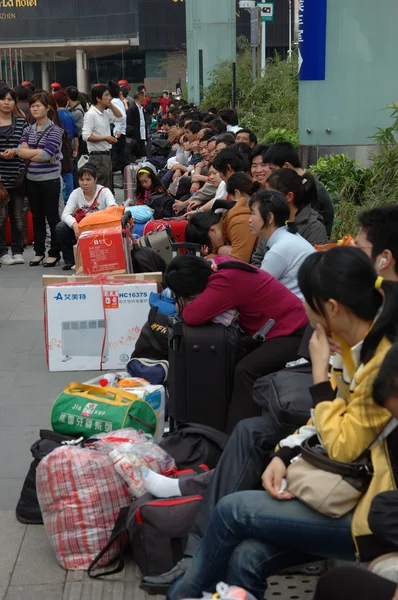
[(92, 327)]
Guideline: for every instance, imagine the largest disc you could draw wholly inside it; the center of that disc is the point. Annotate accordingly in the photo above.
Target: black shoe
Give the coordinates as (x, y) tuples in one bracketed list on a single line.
[(67, 267), (159, 584), (52, 264), (36, 263)]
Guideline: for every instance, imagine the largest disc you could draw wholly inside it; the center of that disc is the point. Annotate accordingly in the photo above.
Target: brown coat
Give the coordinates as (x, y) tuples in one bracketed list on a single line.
[(235, 227)]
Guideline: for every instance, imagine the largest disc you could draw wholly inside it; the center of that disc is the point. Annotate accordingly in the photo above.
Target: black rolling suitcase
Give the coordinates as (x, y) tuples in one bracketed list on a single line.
[(202, 361)]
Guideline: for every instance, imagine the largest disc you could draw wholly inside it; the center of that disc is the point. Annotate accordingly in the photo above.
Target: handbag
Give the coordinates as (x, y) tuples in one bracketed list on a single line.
[(4, 196), (83, 212), (87, 410), (330, 487)]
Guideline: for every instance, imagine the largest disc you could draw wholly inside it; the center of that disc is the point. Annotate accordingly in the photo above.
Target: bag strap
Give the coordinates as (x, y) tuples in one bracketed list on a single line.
[(119, 530), (87, 209)]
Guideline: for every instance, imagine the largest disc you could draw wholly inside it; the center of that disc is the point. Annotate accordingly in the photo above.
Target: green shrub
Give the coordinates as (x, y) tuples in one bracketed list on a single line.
[(343, 178), (279, 134), (268, 103)]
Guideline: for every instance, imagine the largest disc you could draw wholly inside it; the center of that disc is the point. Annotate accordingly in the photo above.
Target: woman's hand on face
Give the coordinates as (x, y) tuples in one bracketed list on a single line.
[(272, 479), (320, 353)]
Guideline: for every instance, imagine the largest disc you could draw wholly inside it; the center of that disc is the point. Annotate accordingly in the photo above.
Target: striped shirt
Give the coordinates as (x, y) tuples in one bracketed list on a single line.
[(10, 169), (49, 141)]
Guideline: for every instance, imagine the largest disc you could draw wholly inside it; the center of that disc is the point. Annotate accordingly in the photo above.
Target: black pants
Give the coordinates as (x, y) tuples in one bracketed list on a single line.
[(240, 467), (43, 199), (118, 155), (66, 239), (13, 210), (103, 163), (348, 583), (267, 358)]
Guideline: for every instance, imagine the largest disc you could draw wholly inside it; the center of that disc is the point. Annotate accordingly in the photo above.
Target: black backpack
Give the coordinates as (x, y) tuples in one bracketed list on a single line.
[(191, 445), (147, 260), (153, 341), (162, 204), (286, 395), (28, 509)]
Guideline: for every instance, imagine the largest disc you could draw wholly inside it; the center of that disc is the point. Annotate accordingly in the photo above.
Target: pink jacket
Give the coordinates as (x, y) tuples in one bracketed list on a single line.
[(257, 297)]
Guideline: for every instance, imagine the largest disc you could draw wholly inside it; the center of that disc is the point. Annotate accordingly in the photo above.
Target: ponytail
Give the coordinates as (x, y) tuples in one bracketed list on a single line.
[(303, 187)]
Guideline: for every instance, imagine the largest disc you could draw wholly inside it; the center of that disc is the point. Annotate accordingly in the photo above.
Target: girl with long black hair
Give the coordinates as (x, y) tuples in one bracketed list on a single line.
[(253, 534), (301, 194), (267, 311)]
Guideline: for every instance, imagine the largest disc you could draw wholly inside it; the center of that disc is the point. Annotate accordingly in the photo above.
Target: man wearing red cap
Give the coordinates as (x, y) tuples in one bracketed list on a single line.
[(55, 87), (125, 83)]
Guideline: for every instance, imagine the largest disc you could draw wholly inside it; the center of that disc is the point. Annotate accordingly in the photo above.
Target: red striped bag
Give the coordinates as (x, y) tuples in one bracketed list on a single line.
[(80, 496)]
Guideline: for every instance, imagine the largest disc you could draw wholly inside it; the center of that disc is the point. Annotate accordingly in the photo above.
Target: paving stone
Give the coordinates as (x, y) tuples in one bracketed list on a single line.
[(3, 591), (15, 443), (10, 490), (22, 414), (36, 562), (11, 535), (35, 592)]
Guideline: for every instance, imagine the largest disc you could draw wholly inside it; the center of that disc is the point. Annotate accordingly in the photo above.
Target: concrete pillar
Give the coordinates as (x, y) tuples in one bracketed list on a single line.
[(45, 76), (342, 110), (82, 78)]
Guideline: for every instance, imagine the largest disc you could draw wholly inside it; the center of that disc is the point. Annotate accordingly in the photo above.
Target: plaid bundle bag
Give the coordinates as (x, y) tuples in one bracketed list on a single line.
[(80, 496)]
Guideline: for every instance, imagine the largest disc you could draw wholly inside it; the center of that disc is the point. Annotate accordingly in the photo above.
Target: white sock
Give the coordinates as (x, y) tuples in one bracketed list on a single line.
[(159, 485)]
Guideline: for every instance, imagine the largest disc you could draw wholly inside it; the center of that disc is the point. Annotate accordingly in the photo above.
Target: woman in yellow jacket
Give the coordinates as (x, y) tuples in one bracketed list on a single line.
[(253, 534)]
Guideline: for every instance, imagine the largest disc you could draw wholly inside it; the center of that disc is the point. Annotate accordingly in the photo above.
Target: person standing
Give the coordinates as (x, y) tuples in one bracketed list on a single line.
[(148, 107), (23, 102), (70, 146), (136, 120), (96, 132), (11, 130), (40, 144), (118, 152)]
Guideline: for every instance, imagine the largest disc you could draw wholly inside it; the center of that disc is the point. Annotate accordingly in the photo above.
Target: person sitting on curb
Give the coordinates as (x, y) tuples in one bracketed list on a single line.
[(228, 235), (287, 250), (87, 198)]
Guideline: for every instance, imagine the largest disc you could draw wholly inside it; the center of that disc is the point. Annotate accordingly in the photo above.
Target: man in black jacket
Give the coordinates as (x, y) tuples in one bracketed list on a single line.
[(136, 120)]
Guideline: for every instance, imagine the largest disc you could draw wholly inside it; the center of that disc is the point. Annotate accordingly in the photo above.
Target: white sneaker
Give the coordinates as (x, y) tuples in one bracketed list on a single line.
[(18, 259), (7, 259)]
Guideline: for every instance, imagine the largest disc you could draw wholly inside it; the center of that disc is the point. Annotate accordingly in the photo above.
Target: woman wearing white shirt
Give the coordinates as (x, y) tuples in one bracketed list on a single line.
[(287, 249), (86, 199)]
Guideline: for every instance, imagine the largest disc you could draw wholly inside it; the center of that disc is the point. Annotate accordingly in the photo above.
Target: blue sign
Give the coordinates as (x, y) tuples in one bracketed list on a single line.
[(312, 40)]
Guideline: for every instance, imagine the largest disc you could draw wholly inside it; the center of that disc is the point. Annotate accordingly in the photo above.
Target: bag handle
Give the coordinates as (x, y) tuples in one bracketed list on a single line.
[(108, 392), (118, 531)]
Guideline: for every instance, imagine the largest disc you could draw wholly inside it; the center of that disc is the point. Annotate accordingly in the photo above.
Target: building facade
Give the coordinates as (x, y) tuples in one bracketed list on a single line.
[(83, 42)]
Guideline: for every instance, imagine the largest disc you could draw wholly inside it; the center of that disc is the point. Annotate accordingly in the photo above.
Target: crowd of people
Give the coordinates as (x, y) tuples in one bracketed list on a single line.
[(261, 222)]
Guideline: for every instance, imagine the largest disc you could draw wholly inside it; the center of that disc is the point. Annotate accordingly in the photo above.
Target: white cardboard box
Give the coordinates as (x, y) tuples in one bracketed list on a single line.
[(94, 327)]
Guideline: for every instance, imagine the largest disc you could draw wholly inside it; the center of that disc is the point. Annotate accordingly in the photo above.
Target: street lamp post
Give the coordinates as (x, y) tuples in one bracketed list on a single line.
[(250, 6)]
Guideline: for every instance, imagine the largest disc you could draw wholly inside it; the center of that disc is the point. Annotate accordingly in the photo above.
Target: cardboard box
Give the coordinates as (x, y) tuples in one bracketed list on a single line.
[(93, 326), (156, 277), (102, 251)]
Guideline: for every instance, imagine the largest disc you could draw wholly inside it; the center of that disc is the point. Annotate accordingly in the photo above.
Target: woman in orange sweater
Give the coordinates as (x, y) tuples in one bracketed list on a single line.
[(227, 235)]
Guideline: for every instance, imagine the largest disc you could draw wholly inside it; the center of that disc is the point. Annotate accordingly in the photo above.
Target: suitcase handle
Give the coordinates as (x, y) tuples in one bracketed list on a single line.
[(194, 248)]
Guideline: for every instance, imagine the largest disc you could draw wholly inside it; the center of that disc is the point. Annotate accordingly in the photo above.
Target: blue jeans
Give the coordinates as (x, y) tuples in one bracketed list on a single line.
[(251, 536), (67, 187)]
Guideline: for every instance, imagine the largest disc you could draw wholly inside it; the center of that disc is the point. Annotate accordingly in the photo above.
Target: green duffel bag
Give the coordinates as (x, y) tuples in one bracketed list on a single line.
[(88, 410)]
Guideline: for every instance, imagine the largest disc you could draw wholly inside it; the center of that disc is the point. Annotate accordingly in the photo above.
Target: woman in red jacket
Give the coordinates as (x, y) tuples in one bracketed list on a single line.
[(268, 312)]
